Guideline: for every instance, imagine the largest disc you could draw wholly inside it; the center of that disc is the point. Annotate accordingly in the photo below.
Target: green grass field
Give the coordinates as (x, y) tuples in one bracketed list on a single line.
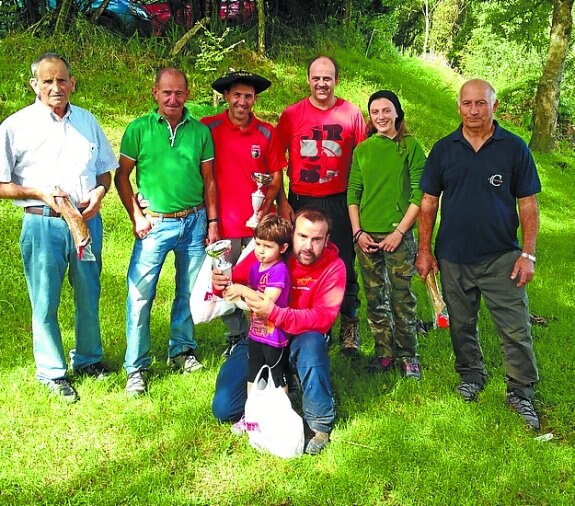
[(396, 442)]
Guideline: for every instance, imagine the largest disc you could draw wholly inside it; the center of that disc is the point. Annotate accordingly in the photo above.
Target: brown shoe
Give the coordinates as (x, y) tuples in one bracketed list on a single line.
[(317, 443), (349, 337)]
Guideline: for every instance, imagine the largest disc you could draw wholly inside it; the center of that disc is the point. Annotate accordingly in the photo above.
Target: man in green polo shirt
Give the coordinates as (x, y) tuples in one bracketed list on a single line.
[(173, 157)]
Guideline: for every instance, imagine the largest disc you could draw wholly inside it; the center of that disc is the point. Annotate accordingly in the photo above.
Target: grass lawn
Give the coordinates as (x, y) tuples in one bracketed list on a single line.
[(396, 441)]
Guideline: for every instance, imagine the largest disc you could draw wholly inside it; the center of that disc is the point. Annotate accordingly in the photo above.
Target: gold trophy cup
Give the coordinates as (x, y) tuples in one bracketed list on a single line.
[(258, 196)]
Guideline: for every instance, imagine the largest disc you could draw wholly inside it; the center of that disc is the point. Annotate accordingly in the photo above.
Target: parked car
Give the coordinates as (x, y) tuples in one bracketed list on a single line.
[(161, 14), (238, 11), (126, 16), (154, 16)]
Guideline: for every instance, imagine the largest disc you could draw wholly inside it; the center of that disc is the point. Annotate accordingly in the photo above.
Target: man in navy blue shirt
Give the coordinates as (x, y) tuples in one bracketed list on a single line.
[(484, 173)]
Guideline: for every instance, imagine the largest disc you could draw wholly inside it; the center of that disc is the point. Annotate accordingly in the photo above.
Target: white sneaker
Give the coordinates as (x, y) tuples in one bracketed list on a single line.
[(136, 384), (186, 361)]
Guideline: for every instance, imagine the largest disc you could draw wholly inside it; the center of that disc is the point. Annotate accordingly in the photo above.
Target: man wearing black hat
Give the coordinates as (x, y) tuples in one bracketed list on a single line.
[(243, 145), (320, 133)]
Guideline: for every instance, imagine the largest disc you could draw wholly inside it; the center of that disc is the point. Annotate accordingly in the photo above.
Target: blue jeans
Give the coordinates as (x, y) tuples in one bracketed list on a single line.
[(185, 237), (47, 250), (308, 356)]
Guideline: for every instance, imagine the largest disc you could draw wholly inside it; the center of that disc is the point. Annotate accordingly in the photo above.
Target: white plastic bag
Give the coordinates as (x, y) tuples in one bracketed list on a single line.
[(271, 422), (204, 304)]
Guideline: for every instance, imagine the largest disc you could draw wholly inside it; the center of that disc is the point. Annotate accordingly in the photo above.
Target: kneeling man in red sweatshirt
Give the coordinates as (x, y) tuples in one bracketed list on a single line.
[(317, 286)]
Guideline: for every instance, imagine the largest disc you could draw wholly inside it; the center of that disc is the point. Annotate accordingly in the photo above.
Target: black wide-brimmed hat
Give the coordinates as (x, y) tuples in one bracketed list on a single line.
[(241, 76)]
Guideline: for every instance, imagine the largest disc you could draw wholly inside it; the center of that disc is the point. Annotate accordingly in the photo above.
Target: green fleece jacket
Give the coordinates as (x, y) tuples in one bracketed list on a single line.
[(384, 180)]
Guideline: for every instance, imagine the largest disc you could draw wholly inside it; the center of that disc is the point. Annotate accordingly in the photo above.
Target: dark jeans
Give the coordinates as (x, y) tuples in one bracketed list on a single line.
[(308, 356), (335, 206)]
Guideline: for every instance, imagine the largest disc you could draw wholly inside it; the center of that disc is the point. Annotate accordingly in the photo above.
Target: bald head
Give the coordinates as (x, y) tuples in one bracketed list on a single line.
[(478, 84)]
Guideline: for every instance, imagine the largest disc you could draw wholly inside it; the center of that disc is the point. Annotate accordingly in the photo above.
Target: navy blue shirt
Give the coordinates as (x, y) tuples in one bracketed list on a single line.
[(480, 189)]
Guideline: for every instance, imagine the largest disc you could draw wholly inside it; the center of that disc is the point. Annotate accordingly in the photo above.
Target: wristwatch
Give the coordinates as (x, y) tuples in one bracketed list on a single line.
[(530, 257)]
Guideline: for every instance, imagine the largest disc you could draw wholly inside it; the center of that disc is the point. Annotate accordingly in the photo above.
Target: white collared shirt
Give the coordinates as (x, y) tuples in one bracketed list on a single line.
[(41, 150)]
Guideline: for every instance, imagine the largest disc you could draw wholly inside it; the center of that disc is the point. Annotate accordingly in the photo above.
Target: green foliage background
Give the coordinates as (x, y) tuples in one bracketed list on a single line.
[(396, 442)]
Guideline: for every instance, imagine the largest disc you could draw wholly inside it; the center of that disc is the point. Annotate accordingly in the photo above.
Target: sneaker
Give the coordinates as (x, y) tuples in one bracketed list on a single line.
[(317, 443), (186, 362), (62, 388), (240, 427), (232, 342), (468, 391), (349, 337), (381, 364), (97, 370), (411, 368), (136, 384), (525, 408)]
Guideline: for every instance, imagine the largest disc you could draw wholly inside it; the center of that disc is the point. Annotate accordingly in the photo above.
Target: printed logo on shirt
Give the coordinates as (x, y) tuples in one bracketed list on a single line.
[(256, 151), (324, 142), (496, 180), (303, 283), (263, 282)]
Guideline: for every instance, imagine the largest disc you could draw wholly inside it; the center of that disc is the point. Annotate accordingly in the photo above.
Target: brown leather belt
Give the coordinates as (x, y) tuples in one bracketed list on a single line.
[(46, 211), (42, 211), (177, 214)]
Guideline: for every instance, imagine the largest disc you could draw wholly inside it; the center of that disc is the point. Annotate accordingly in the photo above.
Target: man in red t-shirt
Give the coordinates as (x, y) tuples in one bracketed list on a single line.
[(243, 145), (320, 133)]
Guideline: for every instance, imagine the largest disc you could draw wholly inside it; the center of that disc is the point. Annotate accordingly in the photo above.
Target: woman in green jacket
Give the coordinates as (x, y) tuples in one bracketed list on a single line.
[(383, 198)]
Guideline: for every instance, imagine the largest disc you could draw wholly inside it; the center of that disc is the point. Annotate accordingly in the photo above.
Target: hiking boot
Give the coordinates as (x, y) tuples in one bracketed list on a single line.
[(186, 362), (349, 337), (240, 427), (411, 368), (317, 443), (525, 409), (97, 370), (468, 391), (381, 364), (232, 342), (62, 388), (136, 384)]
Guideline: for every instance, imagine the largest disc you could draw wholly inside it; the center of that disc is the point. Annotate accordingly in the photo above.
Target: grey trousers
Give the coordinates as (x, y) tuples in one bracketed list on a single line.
[(463, 286)]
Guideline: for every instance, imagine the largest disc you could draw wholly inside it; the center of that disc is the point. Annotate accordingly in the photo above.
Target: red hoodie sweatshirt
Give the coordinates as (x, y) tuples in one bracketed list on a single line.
[(315, 295)]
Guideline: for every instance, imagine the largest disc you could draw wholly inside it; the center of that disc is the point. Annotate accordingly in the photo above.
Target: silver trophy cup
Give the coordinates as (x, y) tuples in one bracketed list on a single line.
[(258, 196), (219, 251)]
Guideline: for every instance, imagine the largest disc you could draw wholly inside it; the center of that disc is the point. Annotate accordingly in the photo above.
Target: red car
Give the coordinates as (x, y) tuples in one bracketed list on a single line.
[(239, 11), (161, 13)]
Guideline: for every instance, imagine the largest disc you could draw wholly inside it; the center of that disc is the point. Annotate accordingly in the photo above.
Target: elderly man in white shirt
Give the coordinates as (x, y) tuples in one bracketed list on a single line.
[(52, 149)]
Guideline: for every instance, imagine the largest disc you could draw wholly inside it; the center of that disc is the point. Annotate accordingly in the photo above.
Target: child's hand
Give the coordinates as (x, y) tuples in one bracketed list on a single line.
[(232, 292)]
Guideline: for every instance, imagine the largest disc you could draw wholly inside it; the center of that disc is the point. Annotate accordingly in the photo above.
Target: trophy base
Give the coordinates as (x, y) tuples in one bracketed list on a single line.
[(252, 222)]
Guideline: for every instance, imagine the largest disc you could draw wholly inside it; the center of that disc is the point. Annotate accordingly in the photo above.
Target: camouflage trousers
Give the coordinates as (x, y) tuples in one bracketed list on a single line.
[(391, 304)]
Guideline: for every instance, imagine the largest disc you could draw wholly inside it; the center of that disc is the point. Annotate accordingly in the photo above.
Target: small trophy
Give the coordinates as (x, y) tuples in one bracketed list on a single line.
[(219, 251), (258, 196)]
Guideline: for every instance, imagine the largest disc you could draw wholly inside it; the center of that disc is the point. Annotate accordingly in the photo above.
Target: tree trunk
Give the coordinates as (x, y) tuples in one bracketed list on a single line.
[(98, 12), (348, 5), (63, 16), (549, 87), (427, 23), (188, 35), (261, 27)]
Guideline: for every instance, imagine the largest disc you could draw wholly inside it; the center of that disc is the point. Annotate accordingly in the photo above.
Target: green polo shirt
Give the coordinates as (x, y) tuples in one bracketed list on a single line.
[(168, 162)]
